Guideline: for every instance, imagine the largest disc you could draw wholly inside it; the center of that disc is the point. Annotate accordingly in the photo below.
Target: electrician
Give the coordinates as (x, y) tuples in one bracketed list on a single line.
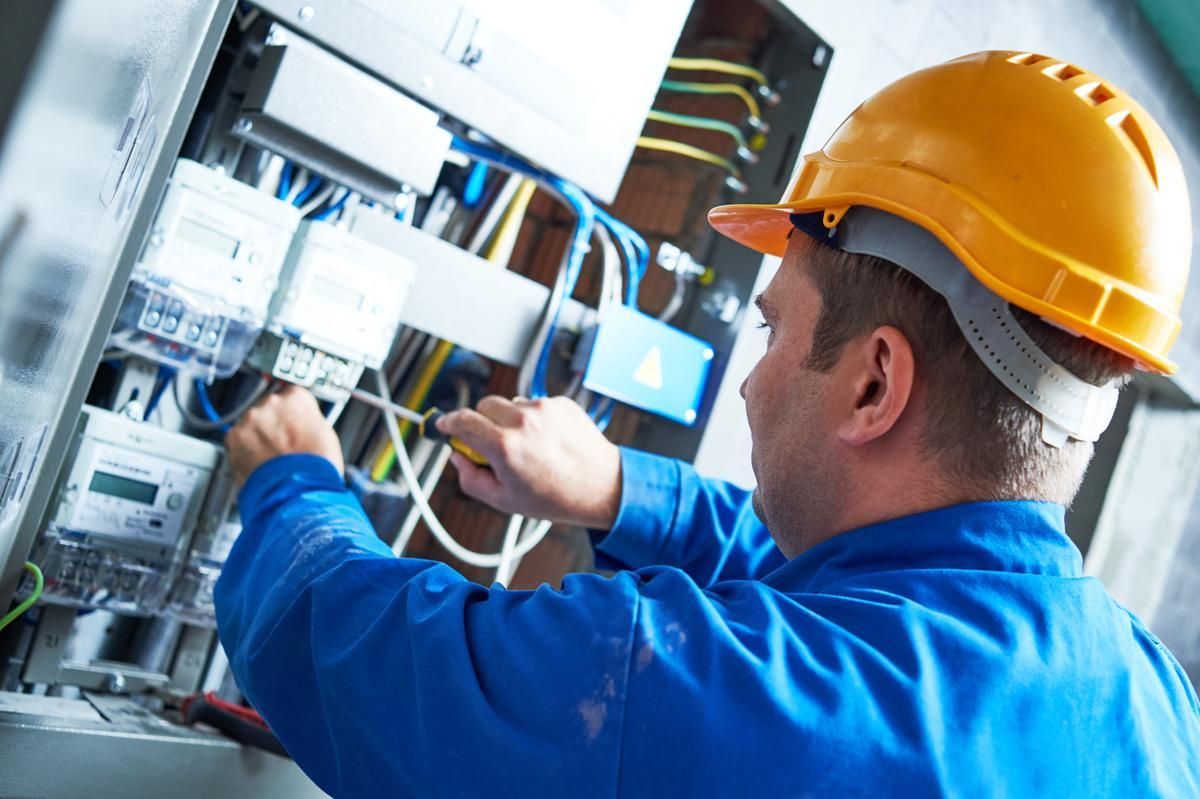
[(974, 262)]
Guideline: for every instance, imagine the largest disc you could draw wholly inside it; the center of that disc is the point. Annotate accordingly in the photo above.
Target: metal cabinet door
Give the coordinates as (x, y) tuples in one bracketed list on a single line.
[(94, 100)]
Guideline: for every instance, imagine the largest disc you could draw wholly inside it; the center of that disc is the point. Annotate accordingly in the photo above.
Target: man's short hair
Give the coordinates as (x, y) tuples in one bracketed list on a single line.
[(988, 441)]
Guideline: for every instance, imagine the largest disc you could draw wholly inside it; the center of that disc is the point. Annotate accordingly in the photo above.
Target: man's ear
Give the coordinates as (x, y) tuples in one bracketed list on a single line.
[(881, 370)]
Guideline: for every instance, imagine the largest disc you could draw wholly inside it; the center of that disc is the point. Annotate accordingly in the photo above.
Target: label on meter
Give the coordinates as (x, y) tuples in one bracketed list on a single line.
[(129, 495)]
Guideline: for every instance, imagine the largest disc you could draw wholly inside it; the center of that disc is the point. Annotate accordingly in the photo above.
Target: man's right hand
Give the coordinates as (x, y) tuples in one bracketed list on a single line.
[(547, 460)]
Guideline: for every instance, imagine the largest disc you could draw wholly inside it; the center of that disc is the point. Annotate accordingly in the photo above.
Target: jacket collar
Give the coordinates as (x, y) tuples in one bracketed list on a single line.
[(1022, 537)]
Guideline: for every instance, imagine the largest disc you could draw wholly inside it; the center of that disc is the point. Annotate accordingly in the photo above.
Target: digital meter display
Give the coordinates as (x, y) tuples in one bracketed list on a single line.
[(337, 293), (225, 246), (122, 487)]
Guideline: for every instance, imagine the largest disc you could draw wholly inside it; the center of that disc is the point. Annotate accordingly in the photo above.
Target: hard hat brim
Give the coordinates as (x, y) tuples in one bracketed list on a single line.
[(763, 228)]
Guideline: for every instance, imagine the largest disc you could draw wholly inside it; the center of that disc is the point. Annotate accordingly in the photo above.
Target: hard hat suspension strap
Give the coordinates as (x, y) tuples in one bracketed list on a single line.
[(1070, 407)]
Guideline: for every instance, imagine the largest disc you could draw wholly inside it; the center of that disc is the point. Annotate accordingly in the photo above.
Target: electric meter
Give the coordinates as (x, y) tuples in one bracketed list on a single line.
[(200, 292), (337, 310), (123, 514)]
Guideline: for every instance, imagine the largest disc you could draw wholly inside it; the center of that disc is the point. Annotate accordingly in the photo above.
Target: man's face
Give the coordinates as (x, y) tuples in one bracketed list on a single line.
[(786, 406)]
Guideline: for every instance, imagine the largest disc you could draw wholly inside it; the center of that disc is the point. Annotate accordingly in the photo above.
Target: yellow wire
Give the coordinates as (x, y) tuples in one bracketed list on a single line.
[(497, 251), (679, 148), (717, 65), (716, 88)]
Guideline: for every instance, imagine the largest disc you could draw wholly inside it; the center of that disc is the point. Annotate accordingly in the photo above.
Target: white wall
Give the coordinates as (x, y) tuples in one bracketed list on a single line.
[(878, 41)]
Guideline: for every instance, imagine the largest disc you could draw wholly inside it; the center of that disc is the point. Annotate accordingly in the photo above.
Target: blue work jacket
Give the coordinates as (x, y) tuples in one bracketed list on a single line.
[(954, 653)]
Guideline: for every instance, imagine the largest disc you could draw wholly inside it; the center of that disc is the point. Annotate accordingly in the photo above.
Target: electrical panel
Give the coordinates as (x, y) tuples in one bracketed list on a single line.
[(337, 309), (298, 104), (462, 197), (550, 80), (125, 508), (200, 291)]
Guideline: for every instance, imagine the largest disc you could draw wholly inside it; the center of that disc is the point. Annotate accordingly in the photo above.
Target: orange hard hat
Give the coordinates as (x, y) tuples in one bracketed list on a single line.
[(1054, 188)]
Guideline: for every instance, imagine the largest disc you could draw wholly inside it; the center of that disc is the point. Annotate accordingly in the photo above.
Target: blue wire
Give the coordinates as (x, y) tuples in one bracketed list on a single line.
[(476, 181), (285, 181), (333, 209), (308, 191), (165, 375), (593, 410), (585, 218), (206, 405), (632, 247), (586, 215)]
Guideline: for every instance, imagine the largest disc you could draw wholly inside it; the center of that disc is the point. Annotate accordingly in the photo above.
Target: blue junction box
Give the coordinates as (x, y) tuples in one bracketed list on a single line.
[(638, 360)]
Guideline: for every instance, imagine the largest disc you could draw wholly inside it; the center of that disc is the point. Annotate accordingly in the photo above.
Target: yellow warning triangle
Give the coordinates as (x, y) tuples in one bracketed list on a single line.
[(649, 372)]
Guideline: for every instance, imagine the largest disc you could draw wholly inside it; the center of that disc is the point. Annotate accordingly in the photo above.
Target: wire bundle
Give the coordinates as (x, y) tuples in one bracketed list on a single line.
[(521, 534), (745, 148)]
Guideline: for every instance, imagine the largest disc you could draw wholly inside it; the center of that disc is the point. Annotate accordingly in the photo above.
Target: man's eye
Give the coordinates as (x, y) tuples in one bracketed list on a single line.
[(763, 325)]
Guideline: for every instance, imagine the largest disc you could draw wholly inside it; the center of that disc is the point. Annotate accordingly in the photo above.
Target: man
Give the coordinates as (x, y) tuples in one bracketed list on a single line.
[(914, 623)]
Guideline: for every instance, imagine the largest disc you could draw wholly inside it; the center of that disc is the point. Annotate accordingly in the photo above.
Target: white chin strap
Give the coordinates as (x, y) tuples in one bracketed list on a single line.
[(1070, 407)]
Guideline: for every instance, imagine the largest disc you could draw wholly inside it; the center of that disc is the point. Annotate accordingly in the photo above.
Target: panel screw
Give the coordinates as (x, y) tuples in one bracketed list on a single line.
[(244, 125), (116, 683), (307, 13)]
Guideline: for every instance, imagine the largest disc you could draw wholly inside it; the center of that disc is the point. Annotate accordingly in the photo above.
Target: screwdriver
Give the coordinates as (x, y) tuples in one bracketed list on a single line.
[(426, 423)]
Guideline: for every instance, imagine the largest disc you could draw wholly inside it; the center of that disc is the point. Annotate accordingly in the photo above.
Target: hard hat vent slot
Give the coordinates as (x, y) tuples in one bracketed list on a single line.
[(1095, 93), (1136, 137), (1027, 59), (1062, 71)]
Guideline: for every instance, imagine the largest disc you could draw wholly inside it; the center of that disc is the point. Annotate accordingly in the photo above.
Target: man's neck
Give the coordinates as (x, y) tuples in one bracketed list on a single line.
[(881, 498)]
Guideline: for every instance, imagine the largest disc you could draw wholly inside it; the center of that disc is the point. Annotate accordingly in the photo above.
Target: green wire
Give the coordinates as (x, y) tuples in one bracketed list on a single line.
[(734, 89), (39, 583), (705, 123)]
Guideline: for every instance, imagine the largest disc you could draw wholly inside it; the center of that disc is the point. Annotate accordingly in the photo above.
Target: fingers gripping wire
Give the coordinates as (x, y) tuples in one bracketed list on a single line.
[(212, 420), (408, 472)]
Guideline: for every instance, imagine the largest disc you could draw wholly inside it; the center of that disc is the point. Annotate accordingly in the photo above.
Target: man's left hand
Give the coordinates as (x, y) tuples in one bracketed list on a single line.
[(284, 422)]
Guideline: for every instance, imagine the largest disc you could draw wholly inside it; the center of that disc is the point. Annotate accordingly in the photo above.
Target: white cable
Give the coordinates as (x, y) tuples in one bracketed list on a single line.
[(495, 213), (676, 302), (553, 303), (244, 21), (414, 514), (532, 527), (448, 541), (610, 280), (432, 477), (318, 199), (505, 568), (300, 177)]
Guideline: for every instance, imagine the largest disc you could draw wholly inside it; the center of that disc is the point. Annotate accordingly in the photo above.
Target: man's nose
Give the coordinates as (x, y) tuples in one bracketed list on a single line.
[(742, 389)]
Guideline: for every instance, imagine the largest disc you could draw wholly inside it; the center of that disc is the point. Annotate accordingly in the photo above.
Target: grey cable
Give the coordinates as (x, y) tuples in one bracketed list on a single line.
[(206, 424)]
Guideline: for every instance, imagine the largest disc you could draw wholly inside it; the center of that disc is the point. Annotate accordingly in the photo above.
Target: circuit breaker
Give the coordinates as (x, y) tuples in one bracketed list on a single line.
[(337, 310), (123, 514), (199, 294)]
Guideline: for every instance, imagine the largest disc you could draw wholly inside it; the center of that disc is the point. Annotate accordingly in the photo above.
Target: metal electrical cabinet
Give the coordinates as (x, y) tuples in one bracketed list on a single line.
[(202, 200), (94, 101)]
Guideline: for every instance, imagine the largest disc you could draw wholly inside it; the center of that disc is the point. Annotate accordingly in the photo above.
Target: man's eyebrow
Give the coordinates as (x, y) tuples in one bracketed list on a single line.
[(764, 306)]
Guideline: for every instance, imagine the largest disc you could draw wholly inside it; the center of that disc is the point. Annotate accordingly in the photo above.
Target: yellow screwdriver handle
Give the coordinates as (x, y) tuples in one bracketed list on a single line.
[(429, 430)]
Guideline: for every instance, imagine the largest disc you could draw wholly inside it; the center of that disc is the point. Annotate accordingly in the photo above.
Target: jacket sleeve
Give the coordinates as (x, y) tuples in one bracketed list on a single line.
[(387, 676), (671, 516)]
